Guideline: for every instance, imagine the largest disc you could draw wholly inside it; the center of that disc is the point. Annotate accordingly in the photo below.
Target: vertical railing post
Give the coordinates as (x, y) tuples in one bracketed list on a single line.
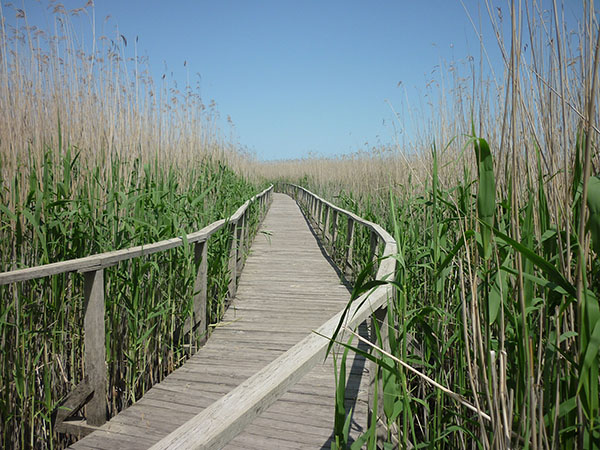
[(349, 246), (260, 206), (247, 229), (373, 250), (241, 242), (233, 261), (325, 223), (200, 320), (334, 224), (320, 214), (94, 342), (327, 232)]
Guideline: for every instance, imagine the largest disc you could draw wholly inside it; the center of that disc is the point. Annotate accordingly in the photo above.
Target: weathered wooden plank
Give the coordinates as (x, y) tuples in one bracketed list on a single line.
[(199, 324), (233, 260), (240, 244), (77, 428), (73, 402), (103, 439), (334, 230), (95, 359), (224, 419)]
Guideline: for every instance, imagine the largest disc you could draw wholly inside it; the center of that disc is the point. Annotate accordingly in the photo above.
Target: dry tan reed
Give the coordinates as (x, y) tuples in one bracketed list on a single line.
[(100, 100)]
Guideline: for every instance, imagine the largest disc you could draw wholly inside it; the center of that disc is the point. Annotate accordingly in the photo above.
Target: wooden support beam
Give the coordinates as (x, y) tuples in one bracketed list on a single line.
[(72, 404), (233, 261), (199, 326), (373, 250), (326, 224), (78, 428), (334, 226), (349, 247), (320, 214), (94, 341), (247, 232), (241, 251)]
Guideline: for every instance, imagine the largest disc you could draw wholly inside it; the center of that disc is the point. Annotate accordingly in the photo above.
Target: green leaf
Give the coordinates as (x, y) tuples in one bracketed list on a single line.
[(340, 396), (486, 194), (362, 439), (593, 346), (390, 390), (567, 406), (569, 334), (454, 251), (547, 267), (360, 287), (398, 408), (8, 212), (593, 202), (495, 299)]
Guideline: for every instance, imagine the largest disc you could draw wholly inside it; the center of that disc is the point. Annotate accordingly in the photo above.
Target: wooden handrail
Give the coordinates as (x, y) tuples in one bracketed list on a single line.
[(92, 390), (108, 259), (227, 417)]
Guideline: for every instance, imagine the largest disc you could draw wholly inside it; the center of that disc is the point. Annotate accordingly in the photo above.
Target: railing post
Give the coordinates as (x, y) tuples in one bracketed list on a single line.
[(241, 242), (326, 222), (373, 250), (247, 230), (260, 206), (94, 342), (200, 322), (334, 223), (320, 214), (349, 246), (233, 261)]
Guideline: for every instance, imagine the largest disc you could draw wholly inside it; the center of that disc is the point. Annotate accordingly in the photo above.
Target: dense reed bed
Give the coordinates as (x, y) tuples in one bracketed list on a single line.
[(95, 157), (493, 336)]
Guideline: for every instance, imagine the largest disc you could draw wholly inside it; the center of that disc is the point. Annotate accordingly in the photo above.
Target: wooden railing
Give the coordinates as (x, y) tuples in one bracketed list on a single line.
[(228, 416), (92, 390)]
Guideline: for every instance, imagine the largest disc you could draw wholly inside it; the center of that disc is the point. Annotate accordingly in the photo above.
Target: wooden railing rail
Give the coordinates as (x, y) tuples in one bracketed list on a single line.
[(228, 416), (325, 220), (92, 390)]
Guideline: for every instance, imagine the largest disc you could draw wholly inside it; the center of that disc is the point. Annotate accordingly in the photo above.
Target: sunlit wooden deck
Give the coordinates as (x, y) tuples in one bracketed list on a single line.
[(287, 289)]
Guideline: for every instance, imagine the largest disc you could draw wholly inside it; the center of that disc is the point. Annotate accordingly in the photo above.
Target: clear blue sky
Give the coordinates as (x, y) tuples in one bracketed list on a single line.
[(298, 76)]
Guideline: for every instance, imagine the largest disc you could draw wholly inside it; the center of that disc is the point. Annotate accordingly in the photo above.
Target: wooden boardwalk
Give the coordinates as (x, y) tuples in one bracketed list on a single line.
[(286, 290)]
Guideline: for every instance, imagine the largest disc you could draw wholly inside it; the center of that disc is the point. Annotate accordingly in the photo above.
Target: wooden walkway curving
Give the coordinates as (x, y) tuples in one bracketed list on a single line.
[(286, 290)]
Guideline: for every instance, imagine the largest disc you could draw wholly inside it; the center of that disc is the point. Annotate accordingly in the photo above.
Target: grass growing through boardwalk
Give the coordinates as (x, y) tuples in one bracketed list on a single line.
[(91, 162), (494, 333)]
